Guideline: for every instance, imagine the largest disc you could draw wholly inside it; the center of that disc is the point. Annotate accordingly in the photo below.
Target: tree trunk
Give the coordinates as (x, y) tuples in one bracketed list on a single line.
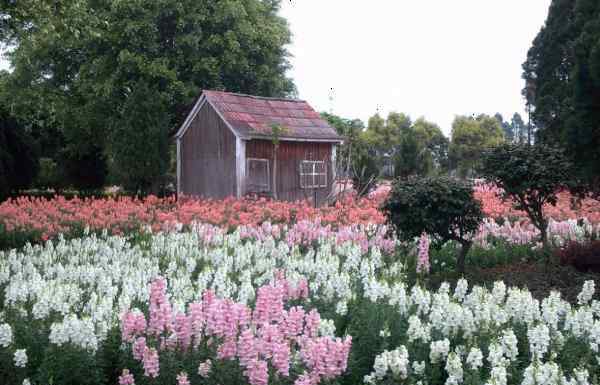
[(275, 171), (544, 233), (462, 256)]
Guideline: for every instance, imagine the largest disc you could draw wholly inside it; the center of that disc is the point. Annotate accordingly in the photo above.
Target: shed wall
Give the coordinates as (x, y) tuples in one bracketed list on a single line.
[(208, 157), (289, 157)]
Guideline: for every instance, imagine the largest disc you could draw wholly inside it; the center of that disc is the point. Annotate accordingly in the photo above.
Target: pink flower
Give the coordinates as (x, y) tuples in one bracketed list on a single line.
[(247, 348), (182, 379), (423, 257), (257, 372), (312, 319), (139, 347), (281, 358), (183, 330), (150, 362), (126, 378), (204, 368), (132, 324), (263, 341)]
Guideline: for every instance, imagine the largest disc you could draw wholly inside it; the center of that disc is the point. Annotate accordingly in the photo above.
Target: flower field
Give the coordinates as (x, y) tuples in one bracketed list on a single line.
[(234, 292)]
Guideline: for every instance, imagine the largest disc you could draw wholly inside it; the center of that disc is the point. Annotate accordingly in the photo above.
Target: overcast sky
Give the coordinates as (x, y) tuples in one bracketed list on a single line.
[(432, 58)]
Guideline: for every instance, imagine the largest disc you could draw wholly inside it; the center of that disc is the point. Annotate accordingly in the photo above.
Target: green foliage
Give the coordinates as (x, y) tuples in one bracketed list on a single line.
[(423, 150), (365, 168), (530, 176), (352, 131), (89, 72), (18, 159), (442, 207), (385, 134), (562, 74), (139, 141), (470, 137)]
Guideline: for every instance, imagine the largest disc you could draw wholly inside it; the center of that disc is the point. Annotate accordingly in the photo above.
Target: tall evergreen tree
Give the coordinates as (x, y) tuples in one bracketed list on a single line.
[(562, 74), (506, 127), (519, 128)]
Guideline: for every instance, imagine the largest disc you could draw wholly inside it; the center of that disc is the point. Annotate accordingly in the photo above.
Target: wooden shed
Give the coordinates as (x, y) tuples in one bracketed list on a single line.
[(225, 148)]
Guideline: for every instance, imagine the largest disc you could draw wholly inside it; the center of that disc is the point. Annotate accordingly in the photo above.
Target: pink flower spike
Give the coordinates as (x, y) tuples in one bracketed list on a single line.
[(423, 258)]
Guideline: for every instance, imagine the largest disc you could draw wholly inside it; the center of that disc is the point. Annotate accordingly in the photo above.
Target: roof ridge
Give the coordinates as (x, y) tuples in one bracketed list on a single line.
[(258, 97)]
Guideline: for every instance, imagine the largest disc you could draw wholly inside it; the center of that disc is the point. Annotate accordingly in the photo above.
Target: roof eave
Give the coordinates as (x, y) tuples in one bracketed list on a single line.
[(294, 139)]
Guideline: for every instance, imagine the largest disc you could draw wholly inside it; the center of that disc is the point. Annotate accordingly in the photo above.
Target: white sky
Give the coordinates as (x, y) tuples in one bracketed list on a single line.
[(432, 58)]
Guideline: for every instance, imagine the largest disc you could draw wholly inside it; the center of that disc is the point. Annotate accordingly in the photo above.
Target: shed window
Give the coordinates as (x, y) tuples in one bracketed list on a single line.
[(257, 175), (313, 174)]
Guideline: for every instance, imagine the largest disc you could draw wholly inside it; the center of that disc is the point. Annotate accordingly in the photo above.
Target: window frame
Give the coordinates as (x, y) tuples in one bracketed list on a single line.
[(259, 188), (314, 174)]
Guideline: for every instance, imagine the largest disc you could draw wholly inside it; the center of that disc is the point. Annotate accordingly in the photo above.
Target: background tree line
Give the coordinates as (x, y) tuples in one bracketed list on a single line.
[(97, 86), (397, 146)]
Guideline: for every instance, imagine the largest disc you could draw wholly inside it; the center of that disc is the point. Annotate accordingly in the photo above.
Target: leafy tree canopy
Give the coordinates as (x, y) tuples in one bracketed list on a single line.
[(423, 150), (78, 66), (562, 74), (530, 176), (18, 155), (385, 134), (470, 137), (442, 207)]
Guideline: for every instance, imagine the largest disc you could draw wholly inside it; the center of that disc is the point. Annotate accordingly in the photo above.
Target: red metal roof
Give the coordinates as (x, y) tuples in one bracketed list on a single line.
[(254, 116)]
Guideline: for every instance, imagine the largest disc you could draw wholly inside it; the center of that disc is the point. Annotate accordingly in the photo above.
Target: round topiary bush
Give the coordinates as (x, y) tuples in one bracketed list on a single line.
[(443, 207)]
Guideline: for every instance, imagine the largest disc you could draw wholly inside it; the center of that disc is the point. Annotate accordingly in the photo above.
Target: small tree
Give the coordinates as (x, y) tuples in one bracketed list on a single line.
[(530, 176), (442, 207), (276, 131)]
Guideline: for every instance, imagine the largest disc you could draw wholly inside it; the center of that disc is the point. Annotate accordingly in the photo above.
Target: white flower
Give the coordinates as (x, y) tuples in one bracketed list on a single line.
[(396, 361), (20, 358), (26, 382), (539, 340), (381, 365), (498, 376), (417, 331), (496, 354), (475, 359), (439, 350), (461, 289), (586, 293), (509, 344), (418, 367), (5, 335), (326, 328), (454, 369), (538, 373)]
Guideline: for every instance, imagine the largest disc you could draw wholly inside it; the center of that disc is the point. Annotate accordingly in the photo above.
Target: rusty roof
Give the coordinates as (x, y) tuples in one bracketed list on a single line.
[(253, 117)]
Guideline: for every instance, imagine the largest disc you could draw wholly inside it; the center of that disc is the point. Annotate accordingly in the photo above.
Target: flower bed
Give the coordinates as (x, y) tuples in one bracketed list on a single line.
[(24, 219), (93, 310)]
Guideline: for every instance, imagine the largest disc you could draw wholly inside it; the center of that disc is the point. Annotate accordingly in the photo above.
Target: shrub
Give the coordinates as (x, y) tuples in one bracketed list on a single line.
[(529, 175), (442, 207), (583, 256), (365, 169)]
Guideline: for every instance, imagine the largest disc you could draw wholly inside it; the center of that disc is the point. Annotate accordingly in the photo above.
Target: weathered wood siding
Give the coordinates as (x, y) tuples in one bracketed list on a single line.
[(289, 156), (208, 157)]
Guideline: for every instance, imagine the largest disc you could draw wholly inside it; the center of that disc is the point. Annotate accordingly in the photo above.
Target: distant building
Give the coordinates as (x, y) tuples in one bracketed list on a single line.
[(225, 148)]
